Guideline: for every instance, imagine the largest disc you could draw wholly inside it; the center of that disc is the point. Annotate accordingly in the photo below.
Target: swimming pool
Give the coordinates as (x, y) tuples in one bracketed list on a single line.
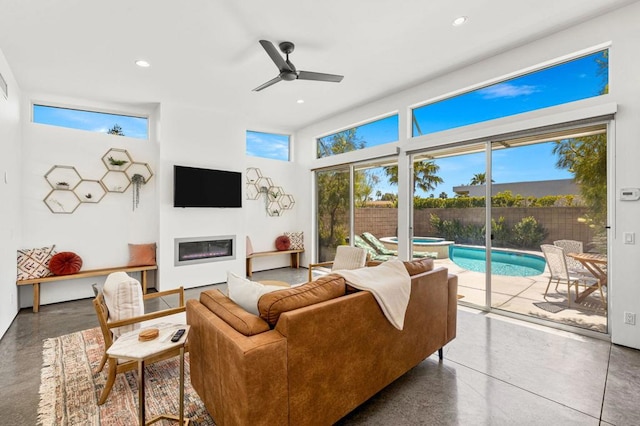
[(503, 262)]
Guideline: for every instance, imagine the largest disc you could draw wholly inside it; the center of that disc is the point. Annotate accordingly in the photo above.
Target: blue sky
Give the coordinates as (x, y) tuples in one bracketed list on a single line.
[(135, 127), (268, 145), (575, 80)]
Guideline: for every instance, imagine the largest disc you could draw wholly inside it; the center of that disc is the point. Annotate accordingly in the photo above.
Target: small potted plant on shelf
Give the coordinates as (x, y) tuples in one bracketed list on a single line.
[(138, 180), (117, 163), (62, 185)]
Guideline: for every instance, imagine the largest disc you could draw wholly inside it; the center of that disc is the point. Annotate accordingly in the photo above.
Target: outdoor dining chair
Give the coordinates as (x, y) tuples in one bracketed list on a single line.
[(559, 272)]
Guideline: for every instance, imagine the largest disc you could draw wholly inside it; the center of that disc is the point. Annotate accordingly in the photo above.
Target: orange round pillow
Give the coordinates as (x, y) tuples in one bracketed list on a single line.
[(283, 242), (65, 263)]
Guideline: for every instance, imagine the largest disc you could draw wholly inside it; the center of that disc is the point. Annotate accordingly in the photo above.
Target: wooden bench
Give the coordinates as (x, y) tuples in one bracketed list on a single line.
[(35, 282), (295, 257)]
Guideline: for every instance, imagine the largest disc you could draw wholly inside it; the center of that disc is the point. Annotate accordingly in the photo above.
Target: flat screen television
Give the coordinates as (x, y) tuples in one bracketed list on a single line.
[(196, 187)]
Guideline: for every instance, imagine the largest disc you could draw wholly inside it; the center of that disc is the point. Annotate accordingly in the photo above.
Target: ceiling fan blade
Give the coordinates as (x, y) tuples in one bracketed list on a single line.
[(275, 56), (267, 84), (318, 76)]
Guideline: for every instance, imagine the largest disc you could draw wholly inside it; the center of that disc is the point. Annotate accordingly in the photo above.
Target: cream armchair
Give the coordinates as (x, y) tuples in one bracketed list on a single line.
[(120, 308), (347, 257)]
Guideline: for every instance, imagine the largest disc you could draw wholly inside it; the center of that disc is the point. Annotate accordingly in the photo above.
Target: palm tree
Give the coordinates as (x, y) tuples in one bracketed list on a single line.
[(424, 175), (478, 179)]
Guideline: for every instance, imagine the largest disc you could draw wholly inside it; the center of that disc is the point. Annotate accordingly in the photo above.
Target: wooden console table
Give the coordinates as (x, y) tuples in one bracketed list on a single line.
[(35, 282), (295, 257)]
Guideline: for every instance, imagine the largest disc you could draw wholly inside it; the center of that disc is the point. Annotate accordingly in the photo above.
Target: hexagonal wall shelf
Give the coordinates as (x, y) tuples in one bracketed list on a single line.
[(141, 169), (274, 209), (252, 191), (62, 201), (286, 202), (63, 177), (264, 182), (90, 191), (276, 200), (274, 193), (253, 174), (115, 181), (117, 159), (70, 189)]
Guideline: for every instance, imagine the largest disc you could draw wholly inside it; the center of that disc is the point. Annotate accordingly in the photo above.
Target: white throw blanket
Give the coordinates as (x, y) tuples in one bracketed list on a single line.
[(389, 283)]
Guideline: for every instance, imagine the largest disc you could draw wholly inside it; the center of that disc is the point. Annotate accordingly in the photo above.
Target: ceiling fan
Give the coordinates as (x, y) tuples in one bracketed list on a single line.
[(288, 71)]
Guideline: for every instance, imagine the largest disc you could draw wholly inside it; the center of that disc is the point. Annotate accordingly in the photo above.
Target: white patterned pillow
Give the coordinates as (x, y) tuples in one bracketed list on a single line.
[(124, 300), (34, 263), (297, 240)]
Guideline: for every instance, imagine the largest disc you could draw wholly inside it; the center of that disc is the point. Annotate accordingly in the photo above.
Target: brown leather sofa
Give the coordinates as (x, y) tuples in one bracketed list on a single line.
[(316, 352)]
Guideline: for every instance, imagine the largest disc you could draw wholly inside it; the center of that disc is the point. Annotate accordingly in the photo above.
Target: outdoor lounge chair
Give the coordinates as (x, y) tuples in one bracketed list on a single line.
[(373, 254), (380, 249)]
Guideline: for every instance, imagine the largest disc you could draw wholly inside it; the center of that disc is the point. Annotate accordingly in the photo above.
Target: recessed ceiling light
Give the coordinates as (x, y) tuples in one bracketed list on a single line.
[(459, 21), (142, 63), (300, 101)]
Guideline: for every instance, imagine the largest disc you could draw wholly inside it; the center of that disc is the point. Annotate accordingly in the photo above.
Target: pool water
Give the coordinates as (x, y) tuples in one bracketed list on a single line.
[(503, 262)]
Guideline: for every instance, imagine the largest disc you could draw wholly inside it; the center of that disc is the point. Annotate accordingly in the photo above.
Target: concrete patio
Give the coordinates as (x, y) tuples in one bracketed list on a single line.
[(525, 295)]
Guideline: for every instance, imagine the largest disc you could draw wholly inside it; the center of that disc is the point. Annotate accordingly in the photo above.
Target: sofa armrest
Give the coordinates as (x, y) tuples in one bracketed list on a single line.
[(452, 312)]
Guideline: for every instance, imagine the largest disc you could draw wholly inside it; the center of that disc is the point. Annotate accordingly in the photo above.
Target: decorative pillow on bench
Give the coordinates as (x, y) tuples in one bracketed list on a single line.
[(34, 263), (142, 254), (65, 263)]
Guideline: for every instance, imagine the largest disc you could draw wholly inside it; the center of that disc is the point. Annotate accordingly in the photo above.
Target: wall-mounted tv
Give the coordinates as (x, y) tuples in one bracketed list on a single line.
[(196, 187)]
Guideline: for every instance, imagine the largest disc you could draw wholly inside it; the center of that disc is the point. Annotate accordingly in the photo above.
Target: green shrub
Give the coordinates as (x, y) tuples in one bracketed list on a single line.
[(528, 233)]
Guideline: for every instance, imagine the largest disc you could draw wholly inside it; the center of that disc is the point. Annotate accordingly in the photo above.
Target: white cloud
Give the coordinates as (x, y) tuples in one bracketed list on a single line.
[(507, 90)]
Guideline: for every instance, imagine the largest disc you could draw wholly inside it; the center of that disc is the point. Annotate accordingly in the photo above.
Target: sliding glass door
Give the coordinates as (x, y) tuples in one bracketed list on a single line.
[(550, 189), (449, 214), (546, 189), (333, 213)]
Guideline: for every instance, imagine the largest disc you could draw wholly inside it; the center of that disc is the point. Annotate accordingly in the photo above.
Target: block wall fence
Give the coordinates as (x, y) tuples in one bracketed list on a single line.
[(560, 222)]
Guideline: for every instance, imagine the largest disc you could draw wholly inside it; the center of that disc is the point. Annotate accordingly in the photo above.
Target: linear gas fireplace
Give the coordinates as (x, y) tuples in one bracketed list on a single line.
[(204, 249)]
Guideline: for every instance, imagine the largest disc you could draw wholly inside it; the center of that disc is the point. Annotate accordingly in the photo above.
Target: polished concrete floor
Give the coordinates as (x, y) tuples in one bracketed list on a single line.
[(497, 371)]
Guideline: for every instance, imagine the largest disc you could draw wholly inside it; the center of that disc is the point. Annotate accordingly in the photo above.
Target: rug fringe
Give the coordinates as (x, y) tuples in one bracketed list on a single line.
[(46, 407)]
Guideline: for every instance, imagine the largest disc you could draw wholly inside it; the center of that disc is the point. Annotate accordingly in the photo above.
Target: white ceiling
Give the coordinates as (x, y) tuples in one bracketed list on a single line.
[(206, 53)]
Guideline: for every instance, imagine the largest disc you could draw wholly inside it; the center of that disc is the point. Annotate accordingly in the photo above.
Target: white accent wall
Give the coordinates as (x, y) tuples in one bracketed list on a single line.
[(10, 196), (620, 29)]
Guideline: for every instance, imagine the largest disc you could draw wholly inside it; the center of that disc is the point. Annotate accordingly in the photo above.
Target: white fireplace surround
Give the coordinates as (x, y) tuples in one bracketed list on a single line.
[(189, 251)]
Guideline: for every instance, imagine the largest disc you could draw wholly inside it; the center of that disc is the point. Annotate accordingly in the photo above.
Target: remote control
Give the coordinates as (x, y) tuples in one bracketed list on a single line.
[(178, 335)]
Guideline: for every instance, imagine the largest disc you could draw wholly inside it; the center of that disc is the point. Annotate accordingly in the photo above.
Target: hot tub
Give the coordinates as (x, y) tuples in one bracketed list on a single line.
[(423, 244)]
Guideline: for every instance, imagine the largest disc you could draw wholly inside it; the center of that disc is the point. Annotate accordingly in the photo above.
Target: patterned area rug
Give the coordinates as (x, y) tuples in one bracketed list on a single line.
[(70, 388)]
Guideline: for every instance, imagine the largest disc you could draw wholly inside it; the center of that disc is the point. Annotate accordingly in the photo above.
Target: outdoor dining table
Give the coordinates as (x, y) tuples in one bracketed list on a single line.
[(594, 263)]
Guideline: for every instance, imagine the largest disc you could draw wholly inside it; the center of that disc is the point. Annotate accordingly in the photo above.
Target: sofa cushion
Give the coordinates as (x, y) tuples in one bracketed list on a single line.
[(233, 314), (246, 293), (272, 305)]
